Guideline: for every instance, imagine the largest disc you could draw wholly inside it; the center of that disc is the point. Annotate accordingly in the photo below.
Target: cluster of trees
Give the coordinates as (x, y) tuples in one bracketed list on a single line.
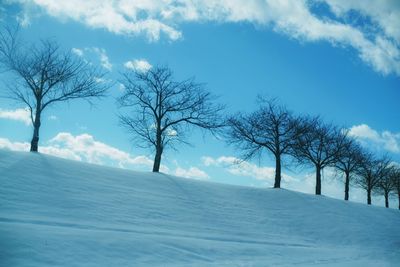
[(162, 111), (310, 141)]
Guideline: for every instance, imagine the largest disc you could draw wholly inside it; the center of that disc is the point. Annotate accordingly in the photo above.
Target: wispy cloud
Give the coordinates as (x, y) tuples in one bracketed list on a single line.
[(376, 39), (20, 114), (369, 137), (121, 87), (239, 167), (119, 17), (99, 53), (77, 51), (138, 65), (104, 60), (52, 118), (385, 13), (192, 172), (24, 19)]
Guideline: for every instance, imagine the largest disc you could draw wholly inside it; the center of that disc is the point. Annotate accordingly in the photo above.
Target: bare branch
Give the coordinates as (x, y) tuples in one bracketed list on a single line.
[(372, 172), (271, 127), (163, 110), (46, 75)]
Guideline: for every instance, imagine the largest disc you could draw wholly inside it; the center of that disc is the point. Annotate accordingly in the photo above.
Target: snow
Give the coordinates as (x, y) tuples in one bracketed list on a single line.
[(56, 212)]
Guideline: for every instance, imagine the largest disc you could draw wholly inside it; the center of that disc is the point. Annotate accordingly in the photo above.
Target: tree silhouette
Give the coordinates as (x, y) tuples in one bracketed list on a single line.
[(387, 183), (349, 161), (319, 145), (46, 75), (371, 172), (271, 127), (396, 180), (163, 110)]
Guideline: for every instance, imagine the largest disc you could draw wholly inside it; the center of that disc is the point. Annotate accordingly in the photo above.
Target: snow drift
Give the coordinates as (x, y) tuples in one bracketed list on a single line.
[(56, 212)]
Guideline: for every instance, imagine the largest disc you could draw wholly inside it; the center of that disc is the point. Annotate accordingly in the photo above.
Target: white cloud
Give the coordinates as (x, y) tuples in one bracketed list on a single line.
[(171, 132), (24, 19), (104, 60), (53, 118), (121, 87), (385, 13), (376, 39), (81, 127), (100, 80), (138, 65), (368, 136), (208, 161), (192, 172), (120, 17), (16, 146), (20, 114), (77, 51), (364, 131), (238, 167), (332, 184), (332, 181), (84, 148), (99, 53)]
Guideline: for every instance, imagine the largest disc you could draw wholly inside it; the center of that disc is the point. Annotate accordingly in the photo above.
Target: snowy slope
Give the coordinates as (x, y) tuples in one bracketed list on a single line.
[(55, 212)]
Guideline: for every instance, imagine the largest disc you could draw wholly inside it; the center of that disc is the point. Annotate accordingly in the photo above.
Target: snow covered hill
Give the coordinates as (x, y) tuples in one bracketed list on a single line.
[(55, 212)]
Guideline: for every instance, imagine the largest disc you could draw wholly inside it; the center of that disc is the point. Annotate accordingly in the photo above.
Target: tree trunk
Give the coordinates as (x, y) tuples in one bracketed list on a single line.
[(369, 196), (36, 127), (157, 160), (387, 199), (159, 150), (318, 180), (277, 171), (347, 186)]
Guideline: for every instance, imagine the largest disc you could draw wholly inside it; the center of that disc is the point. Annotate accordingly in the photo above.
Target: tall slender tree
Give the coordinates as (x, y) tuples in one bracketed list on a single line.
[(271, 127), (319, 145), (163, 110), (46, 75)]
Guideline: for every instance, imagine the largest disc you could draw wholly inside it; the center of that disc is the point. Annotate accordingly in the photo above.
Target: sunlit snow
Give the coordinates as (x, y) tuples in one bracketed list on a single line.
[(55, 212)]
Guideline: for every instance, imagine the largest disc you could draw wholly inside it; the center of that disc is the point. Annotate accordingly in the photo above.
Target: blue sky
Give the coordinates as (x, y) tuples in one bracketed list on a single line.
[(337, 59)]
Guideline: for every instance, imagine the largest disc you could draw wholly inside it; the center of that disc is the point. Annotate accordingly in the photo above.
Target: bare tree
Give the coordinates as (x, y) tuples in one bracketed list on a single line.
[(46, 75), (349, 161), (319, 145), (370, 174), (387, 183), (164, 109), (272, 127), (396, 180)]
